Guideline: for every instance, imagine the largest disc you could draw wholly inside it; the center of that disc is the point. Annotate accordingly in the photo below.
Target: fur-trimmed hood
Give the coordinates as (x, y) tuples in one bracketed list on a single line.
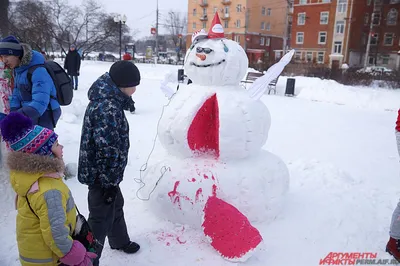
[(26, 169), (27, 57), (30, 58)]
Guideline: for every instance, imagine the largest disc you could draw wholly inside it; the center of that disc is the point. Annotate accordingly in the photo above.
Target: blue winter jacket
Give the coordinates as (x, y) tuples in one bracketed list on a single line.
[(34, 101), (104, 146)]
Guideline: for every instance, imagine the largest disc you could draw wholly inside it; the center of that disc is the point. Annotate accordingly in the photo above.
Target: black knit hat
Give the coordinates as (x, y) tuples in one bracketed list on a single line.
[(125, 74)]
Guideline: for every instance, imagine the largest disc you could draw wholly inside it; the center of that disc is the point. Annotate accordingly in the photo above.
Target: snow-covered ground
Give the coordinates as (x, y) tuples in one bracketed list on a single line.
[(337, 141)]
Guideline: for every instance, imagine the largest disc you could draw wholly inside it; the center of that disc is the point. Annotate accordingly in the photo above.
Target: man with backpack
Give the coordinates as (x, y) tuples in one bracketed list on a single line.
[(35, 93)]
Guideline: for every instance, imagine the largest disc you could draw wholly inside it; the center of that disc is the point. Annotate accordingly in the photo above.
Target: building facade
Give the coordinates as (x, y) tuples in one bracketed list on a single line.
[(381, 20), (257, 25), (334, 32)]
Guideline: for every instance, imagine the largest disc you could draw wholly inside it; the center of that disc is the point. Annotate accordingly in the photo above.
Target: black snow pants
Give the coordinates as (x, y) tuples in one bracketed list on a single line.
[(107, 220)]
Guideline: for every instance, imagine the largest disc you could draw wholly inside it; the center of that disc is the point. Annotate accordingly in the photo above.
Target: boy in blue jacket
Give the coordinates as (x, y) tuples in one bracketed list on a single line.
[(38, 100), (104, 154)]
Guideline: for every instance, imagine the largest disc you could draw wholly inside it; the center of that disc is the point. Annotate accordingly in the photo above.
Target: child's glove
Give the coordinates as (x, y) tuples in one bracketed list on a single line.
[(78, 255), (109, 194)]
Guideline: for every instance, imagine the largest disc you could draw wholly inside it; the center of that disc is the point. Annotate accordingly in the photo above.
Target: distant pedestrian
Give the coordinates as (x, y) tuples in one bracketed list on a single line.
[(73, 64)]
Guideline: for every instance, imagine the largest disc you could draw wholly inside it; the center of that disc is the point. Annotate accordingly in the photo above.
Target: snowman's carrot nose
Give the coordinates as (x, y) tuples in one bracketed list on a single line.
[(201, 56)]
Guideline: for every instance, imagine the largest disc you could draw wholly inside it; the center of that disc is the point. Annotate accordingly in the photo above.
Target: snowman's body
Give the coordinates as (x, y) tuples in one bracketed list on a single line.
[(214, 134)]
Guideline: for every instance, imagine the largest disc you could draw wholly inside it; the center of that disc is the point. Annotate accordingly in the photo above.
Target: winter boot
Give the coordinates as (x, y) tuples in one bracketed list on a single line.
[(131, 248), (393, 248)]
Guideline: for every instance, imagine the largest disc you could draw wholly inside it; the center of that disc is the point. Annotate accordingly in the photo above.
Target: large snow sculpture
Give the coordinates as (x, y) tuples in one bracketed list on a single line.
[(219, 178)]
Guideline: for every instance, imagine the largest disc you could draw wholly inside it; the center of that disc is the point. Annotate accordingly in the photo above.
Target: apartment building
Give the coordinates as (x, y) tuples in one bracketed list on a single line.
[(259, 26), (381, 20), (333, 32), (320, 31)]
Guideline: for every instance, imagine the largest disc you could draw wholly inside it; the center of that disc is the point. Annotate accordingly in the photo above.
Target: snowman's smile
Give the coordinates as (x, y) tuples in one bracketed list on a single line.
[(208, 65)]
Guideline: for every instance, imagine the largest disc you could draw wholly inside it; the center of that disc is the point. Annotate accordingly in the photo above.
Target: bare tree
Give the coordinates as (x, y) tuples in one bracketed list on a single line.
[(89, 28), (175, 24), (29, 22), (4, 5)]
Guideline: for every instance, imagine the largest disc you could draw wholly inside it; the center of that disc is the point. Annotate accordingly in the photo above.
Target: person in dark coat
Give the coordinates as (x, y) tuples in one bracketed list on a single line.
[(103, 154), (73, 64), (37, 100)]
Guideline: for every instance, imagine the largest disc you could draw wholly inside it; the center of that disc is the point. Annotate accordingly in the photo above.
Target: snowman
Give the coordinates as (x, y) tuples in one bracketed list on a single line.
[(216, 176)]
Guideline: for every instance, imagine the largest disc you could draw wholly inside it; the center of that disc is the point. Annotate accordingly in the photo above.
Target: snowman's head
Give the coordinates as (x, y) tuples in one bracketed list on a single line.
[(214, 60)]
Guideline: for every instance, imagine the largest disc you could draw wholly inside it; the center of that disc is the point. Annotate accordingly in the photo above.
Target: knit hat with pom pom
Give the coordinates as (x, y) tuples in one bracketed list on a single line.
[(19, 132)]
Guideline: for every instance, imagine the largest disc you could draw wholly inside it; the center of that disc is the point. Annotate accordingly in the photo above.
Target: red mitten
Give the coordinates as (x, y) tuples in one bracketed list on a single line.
[(229, 231)]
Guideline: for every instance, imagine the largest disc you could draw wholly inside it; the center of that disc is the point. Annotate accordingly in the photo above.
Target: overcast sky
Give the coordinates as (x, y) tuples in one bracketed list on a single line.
[(141, 14)]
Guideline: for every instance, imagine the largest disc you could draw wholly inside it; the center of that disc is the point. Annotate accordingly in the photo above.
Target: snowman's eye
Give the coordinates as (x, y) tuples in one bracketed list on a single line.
[(204, 50)]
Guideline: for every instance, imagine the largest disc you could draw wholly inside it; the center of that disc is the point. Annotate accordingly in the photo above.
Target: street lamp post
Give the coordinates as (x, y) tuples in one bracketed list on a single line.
[(120, 20)]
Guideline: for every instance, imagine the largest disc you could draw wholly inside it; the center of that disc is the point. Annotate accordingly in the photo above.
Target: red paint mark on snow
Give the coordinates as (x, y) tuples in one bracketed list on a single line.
[(168, 244), (198, 193), (179, 241), (230, 231), (203, 133), (174, 192), (174, 195), (214, 190), (205, 176), (192, 180), (212, 177)]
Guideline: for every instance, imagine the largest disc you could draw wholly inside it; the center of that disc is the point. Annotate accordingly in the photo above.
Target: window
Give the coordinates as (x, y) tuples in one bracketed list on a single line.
[(338, 48), (340, 27), (226, 9), (369, 2), (194, 12), (324, 16), (204, 11), (297, 56), (391, 18), (226, 24), (374, 39), (376, 18), (238, 23), (300, 37), (342, 6), (388, 39), (263, 25), (394, 1), (215, 9), (262, 41), (269, 12), (194, 25), (371, 60), (309, 57), (385, 60), (263, 11), (366, 19), (267, 41), (268, 27), (320, 58), (322, 37), (239, 8), (204, 24), (326, 1), (301, 18), (303, 2), (237, 38)]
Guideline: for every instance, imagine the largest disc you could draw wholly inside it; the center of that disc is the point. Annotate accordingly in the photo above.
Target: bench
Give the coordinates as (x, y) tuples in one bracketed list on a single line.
[(252, 76)]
